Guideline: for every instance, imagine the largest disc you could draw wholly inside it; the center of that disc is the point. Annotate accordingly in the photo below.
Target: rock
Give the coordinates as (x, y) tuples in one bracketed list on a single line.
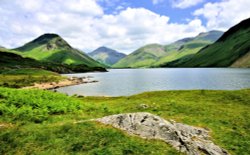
[(188, 139), (143, 106)]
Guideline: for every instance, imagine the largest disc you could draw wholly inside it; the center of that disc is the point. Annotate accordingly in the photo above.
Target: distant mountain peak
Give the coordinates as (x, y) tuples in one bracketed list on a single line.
[(46, 37), (212, 35), (49, 35), (106, 55), (210, 32), (184, 40), (209, 36), (102, 48)]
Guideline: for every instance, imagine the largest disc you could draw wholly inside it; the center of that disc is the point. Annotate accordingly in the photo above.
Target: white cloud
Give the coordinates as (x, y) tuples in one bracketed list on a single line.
[(30, 5), (133, 28), (157, 1), (84, 7), (224, 14), (87, 27), (182, 4)]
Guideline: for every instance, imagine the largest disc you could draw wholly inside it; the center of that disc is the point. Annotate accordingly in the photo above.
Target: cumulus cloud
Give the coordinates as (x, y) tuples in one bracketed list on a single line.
[(182, 4), (137, 27), (224, 14), (87, 27)]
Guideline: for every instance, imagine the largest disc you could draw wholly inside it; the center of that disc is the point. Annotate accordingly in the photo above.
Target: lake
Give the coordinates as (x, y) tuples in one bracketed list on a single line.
[(123, 82)]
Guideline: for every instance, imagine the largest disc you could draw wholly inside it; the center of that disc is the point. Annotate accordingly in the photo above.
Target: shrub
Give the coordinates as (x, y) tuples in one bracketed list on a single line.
[(35, 105)]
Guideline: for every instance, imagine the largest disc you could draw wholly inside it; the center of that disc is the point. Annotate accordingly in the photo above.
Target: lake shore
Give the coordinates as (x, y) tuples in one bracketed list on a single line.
[(63, 83)]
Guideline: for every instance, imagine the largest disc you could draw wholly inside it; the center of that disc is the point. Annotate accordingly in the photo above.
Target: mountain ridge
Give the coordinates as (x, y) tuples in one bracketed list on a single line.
[(233, 46), (153, 55)]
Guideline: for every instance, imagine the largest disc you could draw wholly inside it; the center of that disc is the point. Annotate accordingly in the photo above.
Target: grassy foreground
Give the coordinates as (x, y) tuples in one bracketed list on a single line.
[(42, 122)]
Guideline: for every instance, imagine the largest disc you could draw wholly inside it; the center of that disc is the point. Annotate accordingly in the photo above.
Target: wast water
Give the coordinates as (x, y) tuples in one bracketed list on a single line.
[(123, 82)]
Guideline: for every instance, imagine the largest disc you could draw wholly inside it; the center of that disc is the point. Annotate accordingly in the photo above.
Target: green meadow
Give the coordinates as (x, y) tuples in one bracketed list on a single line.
[(44, 122)]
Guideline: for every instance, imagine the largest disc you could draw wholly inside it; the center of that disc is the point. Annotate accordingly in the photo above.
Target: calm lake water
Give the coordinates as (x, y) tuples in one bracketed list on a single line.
[(123, 82)]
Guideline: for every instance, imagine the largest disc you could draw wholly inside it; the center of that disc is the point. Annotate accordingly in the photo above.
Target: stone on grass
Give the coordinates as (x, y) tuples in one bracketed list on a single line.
[(188, 139)]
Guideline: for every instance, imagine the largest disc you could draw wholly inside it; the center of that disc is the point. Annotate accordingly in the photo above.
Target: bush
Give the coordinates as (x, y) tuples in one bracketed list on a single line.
[(35, 105)]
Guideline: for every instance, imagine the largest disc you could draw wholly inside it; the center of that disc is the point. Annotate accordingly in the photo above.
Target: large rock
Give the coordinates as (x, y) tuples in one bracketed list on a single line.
[(185, 138)]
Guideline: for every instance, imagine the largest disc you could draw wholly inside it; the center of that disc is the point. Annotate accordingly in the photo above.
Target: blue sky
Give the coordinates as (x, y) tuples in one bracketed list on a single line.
[(124, 25), (163, 7)]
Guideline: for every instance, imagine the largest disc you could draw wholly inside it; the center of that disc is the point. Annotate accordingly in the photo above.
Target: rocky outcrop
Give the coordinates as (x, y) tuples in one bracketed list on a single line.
[(188, 139)]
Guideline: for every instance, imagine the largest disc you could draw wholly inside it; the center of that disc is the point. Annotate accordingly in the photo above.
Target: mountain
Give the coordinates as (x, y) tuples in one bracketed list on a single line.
[(231, 49), (143, 57), (9, 60), (12, 60), (106, 55), (52, 48), (188, 46), (155, 55)]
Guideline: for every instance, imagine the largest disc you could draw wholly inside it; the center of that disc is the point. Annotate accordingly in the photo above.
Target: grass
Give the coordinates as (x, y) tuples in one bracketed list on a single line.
[(17, 78), (55, 132), (225, 113), (29, 71)]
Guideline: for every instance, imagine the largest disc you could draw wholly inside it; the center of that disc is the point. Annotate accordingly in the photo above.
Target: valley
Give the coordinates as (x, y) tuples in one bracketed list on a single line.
[(171, 93)]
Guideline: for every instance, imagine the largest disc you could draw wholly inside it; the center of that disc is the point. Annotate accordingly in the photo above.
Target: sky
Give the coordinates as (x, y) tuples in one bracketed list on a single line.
[(123, 25)]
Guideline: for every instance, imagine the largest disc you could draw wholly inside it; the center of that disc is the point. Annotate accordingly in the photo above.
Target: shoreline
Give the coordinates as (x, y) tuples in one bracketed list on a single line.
[(63, 83)]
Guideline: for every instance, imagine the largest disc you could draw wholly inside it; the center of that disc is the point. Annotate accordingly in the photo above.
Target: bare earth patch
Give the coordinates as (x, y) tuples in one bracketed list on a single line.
[(63, 83)]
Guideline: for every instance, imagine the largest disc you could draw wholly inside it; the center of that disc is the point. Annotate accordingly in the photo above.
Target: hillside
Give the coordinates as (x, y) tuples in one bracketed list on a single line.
[(52, 48), (231, 49), (10, 60), (187, 46), (154, 55), (143, 57), (106, 55)]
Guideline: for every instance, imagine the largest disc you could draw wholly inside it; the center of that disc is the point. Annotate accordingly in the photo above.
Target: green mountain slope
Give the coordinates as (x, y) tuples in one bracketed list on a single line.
[(155, 55), (143, 57), (52, 48), (231, 49), (11, 60), (106, 55)]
